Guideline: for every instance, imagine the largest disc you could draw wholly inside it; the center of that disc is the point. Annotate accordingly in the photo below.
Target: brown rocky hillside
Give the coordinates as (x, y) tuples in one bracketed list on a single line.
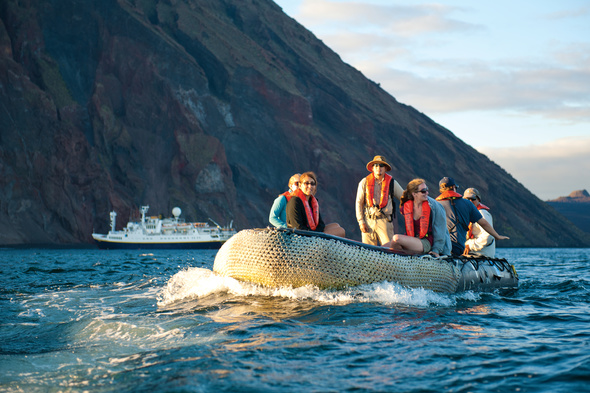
[(209, 105)]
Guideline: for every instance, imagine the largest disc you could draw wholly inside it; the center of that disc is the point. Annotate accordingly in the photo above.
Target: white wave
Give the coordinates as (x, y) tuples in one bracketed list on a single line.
[(100, 330), (194, 283)]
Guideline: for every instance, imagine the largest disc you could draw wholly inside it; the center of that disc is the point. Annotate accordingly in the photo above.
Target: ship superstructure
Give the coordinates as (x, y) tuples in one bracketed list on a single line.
[(156, 233)]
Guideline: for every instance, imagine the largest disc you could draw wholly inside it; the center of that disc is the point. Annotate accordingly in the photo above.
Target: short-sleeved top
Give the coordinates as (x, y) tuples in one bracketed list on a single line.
[(460, 212)]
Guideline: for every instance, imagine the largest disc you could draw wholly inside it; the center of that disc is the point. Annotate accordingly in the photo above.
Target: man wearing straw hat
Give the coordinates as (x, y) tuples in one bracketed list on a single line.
[(375, 207)]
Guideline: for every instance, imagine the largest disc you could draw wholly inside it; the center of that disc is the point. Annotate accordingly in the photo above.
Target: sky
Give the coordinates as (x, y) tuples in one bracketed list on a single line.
[(511, 78)]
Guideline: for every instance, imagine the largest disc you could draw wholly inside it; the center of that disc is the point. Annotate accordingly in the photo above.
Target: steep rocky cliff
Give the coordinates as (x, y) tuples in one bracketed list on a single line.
[(209, 105)]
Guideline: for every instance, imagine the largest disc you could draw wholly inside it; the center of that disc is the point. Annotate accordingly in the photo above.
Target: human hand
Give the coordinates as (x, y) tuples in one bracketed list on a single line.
[(466, 251), (364, 227)]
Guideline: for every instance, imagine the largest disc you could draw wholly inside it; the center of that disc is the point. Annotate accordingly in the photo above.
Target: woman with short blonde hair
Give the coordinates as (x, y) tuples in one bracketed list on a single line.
[(278, 211)]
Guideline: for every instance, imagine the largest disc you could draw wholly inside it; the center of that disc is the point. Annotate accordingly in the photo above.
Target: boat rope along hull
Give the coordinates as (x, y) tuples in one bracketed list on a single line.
[(293, 258)]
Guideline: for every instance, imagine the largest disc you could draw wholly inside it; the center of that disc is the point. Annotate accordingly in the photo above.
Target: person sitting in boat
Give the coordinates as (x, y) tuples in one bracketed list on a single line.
[(303, 211), (460, 213), (425, 222), (278, 211), (479, 242)]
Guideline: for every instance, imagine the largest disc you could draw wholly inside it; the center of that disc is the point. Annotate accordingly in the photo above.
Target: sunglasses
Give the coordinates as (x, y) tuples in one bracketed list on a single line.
[(423, 191), (308, 183), (380, 165)]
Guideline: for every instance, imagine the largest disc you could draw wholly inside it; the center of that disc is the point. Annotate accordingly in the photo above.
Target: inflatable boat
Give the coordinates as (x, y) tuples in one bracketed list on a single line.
[(294, 258)]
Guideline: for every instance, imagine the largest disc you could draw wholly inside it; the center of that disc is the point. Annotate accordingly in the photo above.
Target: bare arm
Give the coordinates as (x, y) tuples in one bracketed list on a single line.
[(490, 229)]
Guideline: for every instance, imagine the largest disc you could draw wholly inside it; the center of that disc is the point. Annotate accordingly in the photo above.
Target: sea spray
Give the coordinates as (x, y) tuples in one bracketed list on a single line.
[(193, 283)]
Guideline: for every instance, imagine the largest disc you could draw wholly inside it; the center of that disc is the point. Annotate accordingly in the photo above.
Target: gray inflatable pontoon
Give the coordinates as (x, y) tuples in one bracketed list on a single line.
[(293, 258)]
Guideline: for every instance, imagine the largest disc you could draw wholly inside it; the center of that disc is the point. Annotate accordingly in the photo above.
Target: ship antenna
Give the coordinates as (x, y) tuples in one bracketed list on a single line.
[(144, 210), (218, 226)]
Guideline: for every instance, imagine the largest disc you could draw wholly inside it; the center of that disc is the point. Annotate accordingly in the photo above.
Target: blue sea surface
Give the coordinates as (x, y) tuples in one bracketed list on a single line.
[(87, 320)]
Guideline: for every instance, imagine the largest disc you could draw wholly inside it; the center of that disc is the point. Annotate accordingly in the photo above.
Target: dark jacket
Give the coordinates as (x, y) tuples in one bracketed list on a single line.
[(296, 217)]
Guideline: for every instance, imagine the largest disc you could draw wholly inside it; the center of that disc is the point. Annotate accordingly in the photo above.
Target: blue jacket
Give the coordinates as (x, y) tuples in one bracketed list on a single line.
[(278, 212), (440, 233)]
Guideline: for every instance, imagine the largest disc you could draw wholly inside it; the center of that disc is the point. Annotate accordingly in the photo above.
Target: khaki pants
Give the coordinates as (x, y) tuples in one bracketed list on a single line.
[(380, 231)]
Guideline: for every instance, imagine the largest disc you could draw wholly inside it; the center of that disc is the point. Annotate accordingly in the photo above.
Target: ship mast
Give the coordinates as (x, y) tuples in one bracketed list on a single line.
[(113, 220), (144, 210)]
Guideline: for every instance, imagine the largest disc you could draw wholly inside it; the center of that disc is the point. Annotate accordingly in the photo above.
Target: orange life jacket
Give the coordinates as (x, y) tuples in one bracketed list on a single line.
[(481, 206), (312, 212), (370, 191), (408, 212), (287, 194), (449, 194)]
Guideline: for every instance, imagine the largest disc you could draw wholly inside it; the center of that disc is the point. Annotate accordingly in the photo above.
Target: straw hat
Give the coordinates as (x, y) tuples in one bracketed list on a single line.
[(378, 160)]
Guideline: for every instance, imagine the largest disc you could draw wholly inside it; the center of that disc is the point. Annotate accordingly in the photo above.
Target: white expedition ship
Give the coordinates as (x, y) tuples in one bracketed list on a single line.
[(167, 233)]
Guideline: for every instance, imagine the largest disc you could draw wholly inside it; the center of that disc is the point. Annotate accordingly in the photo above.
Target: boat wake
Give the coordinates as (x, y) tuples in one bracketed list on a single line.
[(197, 283)]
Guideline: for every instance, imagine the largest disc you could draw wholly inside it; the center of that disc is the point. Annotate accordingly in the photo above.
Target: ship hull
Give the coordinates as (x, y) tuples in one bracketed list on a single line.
[(154, 233), (206, 245)]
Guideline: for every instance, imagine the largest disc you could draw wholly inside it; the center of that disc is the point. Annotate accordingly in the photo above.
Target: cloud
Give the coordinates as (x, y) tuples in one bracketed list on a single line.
[(400, 20), (569, 14), (551, 170), (501, 74), (556, 92), (396, 46)]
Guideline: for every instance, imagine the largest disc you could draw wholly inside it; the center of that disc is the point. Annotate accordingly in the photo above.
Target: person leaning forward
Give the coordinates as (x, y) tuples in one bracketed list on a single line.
[(460, 212), (375, 207), (479, 242)]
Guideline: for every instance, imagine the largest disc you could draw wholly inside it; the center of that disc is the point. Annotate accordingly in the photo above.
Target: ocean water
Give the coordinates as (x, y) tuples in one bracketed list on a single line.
[(161, 321)]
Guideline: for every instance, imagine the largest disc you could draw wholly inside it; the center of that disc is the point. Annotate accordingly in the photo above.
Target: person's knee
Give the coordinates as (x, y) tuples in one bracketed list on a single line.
[(335, 229), (338, 231)]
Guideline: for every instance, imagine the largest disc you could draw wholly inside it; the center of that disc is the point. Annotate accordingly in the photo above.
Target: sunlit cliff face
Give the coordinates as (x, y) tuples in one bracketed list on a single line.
[(209, 107)]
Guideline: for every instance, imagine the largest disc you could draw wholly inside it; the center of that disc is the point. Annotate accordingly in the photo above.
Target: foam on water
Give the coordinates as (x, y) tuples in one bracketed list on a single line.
[(192, 283), (88, 320)]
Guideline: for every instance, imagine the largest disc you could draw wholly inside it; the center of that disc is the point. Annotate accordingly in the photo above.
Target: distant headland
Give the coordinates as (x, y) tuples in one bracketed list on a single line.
[(575, 207)]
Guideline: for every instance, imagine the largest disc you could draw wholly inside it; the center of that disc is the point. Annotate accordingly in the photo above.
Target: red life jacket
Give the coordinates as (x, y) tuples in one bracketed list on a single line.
[(481, 206), (370, 191), (408, 212), (312, 212), (449, 194), (287, 194)]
